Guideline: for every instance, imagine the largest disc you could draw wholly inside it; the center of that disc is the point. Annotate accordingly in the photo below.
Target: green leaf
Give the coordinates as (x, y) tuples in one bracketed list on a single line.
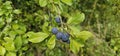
[(43, 3), (23, 28), (18, 42), (1, 12), (11, 54), (74, 29), (44, 27), (17, 11), (8, 39), (30, 54), (37, 37), (12, 34), (7, 2), (2, 50), (57, 1), (6, 30), (84, 35), (74, 46), (7, 5), (19, 28), (2, 22), (8, 20), (19, 31), (76, 18), (24, 39), (51, 42), (15, 26), (9, 46), (68, 2), (25, 48)]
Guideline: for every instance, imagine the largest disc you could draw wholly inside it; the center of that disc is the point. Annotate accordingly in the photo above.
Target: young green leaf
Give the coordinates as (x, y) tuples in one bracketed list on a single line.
[(17, 11), (76, 18), (18, 42), (15, 26), (36, 37), (12, 34), (68, 2), (1, 12), (43, 3), (9, 46), (44, 27), (11, 54), (74, 29), (51, 42), (74, 46), (25, 48), (57, 1), (84, 35), (8, 39), (2, 50), (19, 29)]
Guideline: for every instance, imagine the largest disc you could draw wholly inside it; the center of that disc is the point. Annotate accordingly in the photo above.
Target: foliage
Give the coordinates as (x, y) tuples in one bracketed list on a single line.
[(26, 27)]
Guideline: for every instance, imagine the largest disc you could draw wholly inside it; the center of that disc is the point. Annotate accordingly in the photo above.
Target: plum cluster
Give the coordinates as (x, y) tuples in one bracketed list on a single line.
[(61, 35), (64, 36)]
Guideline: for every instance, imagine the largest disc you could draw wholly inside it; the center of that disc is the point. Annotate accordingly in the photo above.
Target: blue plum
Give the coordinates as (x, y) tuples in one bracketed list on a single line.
[(64, 38), (57, 19), (67, 35), (59, 35), (54, 30)]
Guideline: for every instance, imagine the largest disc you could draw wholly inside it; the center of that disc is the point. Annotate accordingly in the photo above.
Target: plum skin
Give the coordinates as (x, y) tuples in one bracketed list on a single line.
[(57, 19), (59, 35), (64, 38), (54, 30)]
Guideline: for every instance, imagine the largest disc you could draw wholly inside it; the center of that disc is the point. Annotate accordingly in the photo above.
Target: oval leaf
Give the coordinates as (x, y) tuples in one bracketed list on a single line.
[(84, 35), (76, 18), (9, 46), (11, 54), (51, 42), (74, 46), (17, 11), (68, 2), (36, 37), (18, 42), (43, 3), (2, 50), (74, 29)]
